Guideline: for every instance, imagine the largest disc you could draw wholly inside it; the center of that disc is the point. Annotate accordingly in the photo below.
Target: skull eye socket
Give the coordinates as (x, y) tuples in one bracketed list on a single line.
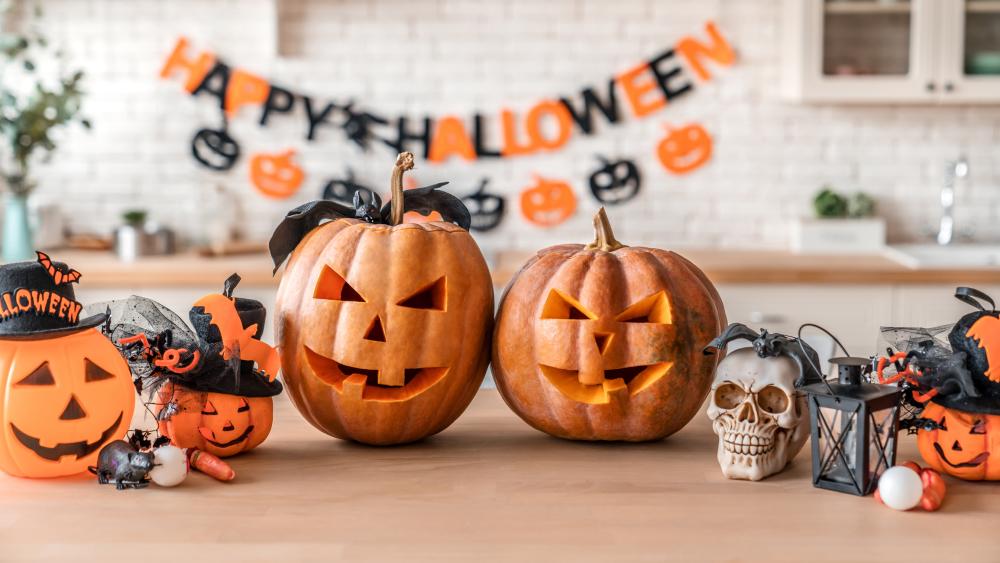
[(558, 305), (772, 400), (94, 372), (729, 396), (41, 375), (333, 286)]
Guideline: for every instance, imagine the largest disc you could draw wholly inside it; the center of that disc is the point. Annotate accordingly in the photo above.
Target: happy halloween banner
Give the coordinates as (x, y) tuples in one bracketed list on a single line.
[(547, 125)]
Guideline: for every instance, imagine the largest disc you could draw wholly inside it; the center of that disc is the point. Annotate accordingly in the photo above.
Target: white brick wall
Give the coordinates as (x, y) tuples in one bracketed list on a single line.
[(455, 56)]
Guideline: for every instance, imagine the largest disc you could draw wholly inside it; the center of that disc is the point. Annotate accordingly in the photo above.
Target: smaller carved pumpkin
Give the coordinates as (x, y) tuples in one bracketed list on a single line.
[(961, 444), (685, 148), (276, 175), (616, 181), (218, 423), (548, 203), (215, 149)]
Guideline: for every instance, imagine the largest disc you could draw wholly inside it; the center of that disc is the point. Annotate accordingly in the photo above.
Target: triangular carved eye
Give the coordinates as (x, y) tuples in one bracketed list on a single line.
[(434, 296), (94, 372), (558, 305), (332, 285), (209, 409), (652, 309), (42, 375)]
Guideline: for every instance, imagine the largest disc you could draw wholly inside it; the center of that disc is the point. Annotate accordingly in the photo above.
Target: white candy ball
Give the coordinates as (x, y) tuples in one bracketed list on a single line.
[(169, 466), (900, 488)]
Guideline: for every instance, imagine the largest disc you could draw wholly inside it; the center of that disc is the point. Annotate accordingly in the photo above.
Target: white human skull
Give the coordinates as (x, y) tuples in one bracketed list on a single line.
[(757, 414)]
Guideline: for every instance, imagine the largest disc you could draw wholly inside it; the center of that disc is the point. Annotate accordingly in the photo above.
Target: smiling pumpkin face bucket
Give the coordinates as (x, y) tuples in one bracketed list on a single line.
[(384, 326), (603, 341)]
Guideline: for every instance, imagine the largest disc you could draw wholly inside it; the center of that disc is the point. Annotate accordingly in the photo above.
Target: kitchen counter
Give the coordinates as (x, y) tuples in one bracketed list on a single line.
[(489, 488), (102, 269)]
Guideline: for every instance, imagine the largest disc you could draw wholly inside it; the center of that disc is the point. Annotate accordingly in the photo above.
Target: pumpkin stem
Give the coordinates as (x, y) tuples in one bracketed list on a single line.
[(404, 162), (604, 237)]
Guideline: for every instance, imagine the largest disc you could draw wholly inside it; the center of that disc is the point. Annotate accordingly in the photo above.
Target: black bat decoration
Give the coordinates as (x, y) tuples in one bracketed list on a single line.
[(768, 345), (303, 219)]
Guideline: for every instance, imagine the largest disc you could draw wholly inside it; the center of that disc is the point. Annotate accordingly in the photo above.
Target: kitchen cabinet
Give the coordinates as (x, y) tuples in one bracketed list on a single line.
[(892, 51)]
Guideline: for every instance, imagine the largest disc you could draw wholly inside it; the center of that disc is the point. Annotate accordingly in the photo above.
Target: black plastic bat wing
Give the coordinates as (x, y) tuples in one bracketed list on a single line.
[(299, 222), (735, 331), (428, 199)]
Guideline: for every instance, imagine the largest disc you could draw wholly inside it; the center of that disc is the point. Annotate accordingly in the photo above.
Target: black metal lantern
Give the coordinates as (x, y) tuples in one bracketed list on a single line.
[(854, 427)]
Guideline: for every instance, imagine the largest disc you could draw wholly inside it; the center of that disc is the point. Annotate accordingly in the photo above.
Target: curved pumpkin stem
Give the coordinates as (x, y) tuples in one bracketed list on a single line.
[(404, 162), (604, 237)]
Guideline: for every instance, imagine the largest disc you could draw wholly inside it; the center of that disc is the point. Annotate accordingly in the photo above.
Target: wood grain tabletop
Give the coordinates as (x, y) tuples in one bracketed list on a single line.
[(489, 488)]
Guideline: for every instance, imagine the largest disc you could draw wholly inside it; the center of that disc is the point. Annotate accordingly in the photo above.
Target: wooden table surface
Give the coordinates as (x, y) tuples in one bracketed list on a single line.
[(488, 488)]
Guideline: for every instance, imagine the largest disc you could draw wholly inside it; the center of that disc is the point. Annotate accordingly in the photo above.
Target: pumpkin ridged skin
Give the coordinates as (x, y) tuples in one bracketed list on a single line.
[(606, 283), (384, 264), (36, 409), (959, 424), (183, 427)]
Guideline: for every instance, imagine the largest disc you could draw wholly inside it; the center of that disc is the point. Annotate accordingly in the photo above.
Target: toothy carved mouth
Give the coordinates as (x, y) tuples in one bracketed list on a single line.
[(747, 444), (364, 383), (630, 380), (974, 462), (209, 437), (79, 449)]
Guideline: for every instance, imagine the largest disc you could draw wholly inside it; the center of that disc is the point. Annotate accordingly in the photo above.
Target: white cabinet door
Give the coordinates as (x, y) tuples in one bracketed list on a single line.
[(931, 305), (968, 60)]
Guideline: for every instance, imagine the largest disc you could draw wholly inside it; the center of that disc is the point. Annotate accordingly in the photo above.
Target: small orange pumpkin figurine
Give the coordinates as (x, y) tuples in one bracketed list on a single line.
[(685, 148), (548, 202), (218, 423), (276, 175), (65, 391)]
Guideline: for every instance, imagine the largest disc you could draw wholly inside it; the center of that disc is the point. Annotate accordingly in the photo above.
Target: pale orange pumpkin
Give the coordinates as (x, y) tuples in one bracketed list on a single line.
[(966, 445), (218, 423), (604, 341), (61, 400), (384, 329)]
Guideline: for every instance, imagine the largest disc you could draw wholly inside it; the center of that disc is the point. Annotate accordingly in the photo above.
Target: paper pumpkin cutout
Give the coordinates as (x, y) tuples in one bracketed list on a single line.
[(685, 148), (548, 203), (276, 175), (215, 149), (615, 182), (487, 209), (343, 189)]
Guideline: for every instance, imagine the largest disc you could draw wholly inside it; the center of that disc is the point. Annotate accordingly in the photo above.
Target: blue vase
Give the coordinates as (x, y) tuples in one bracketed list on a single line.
[(17, 243)]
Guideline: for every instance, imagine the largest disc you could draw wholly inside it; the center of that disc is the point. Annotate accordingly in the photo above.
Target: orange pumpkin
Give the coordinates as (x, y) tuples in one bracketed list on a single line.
[(604, 341), (276, 175), (966, 445), (548, 202), (384, 328), (61, 400), (685, 148), (218, 423)]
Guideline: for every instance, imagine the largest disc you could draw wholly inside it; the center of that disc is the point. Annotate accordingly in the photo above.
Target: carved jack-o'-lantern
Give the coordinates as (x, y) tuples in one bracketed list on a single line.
[(685, 148), (548, 202), (218, 423), (384, 327), (603, 342), (276, 175), (65, 391)]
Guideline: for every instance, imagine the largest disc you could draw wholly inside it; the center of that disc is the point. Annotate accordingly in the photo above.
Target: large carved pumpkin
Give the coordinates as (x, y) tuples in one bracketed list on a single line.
[(384, 328), (61, 400), (604, 341), (965, 445), (218, 423)]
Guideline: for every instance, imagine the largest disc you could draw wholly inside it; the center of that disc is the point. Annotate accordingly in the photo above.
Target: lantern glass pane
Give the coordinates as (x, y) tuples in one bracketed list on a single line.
[(838, 445), (883, 440)]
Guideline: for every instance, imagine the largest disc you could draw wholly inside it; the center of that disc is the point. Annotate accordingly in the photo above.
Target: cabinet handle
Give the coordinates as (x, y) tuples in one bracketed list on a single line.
[(930, 86), (948, 87)]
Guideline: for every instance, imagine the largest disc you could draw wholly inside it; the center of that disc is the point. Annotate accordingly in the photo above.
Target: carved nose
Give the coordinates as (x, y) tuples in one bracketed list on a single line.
[(375, 331), (956, 446), (747, 413), (73, 410), (602, 339)]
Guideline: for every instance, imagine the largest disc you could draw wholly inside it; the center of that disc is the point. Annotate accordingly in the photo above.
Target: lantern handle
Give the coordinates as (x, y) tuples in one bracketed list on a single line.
[(814, 366), (974, 297)]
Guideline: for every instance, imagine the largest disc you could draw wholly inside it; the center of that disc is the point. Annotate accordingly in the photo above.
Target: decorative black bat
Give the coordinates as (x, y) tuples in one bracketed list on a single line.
[(60, 275), (768, 345)]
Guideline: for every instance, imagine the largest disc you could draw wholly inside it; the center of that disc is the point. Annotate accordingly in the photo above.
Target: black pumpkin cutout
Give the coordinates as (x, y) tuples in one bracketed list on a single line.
[(615, 182), (487, 209), (343, 189), (215, 149)]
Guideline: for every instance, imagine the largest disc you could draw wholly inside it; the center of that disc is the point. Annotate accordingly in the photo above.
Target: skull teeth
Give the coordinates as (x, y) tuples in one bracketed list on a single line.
[(747, 444)]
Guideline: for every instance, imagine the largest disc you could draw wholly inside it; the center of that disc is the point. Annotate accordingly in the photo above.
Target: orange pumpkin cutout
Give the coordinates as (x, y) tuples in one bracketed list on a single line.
[(604, 341), (276, 175), (218, 423), (61, 400), (685, 148), (965, 445), (548, 203)]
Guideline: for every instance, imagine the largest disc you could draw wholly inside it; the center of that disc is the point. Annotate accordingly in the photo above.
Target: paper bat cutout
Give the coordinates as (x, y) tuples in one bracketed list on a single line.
[(61, 275), (303, 219)]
